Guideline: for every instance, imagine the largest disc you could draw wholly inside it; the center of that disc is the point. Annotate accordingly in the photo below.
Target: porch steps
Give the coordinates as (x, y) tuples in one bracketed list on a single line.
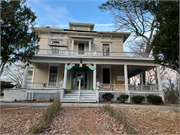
[(85, 96)]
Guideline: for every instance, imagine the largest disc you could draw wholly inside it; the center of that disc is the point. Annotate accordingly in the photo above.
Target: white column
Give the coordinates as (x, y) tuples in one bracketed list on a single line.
[(159, 78), (142, 79), (94, 78), (25, 76), (72, 45), (126, 77), (89, 46), (65, 76)]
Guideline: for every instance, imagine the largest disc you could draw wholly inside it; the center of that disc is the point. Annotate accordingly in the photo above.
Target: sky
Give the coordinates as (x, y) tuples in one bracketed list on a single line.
[(65, 11)]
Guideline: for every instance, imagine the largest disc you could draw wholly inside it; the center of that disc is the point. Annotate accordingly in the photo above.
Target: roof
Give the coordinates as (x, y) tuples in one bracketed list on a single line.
[(58, 30)]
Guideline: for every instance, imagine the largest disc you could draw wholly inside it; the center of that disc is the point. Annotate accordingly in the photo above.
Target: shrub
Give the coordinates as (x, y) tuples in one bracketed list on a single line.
[(154, 99), (108, 96), (138, 99), (46, 118), (122, 98), (6, 85)]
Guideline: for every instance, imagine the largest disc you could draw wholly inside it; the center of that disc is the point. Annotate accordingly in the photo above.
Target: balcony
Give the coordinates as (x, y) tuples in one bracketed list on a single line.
[(57, 52)]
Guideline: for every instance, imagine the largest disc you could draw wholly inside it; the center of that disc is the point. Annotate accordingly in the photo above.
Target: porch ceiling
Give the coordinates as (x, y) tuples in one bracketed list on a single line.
[(134, 70)]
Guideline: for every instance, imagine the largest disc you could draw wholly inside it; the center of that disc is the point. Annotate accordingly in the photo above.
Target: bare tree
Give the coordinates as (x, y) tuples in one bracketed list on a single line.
[(135, 80), (14, 73), (171, 87), (131, 16), (54, 24)]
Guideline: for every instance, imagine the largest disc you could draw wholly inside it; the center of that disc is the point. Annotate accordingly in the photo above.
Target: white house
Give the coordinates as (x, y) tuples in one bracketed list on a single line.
[(79, 57)]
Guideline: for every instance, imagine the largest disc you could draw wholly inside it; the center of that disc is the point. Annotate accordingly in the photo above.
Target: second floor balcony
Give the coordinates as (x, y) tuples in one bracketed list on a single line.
[(58, 52)]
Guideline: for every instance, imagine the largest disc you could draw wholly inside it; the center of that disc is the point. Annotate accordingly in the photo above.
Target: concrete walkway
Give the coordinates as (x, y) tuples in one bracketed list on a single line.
[(87, 105)]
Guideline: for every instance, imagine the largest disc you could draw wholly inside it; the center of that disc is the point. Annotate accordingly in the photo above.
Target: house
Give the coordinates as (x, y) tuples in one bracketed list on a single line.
[(71, 61)]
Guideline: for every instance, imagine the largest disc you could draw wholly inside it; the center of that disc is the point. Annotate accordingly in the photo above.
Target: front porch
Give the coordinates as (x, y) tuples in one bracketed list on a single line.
[(118, 76)]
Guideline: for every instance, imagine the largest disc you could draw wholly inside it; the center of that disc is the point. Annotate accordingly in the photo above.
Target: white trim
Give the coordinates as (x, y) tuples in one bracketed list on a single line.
[(102, 57), (88, 61), (109, 47), (102, 73)]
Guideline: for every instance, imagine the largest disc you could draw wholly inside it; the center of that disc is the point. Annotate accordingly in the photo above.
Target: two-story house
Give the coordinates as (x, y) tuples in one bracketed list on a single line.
[(71, 61)]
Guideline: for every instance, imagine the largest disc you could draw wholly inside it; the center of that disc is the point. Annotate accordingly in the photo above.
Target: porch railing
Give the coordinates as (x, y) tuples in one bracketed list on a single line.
[(59, 52), (130, 87), (40, 85), (143, 87), (115, 87)]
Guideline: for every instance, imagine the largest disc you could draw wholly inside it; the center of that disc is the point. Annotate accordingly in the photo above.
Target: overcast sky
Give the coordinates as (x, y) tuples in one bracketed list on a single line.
[(65, 11)]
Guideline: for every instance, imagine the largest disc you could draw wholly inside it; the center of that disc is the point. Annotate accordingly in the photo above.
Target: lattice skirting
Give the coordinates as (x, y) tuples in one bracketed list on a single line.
[(46, 96)]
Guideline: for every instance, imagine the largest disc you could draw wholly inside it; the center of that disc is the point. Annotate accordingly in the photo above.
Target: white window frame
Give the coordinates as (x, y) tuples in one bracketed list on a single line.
[(109, 48), (84, 47), (56, 41), (32, 74), (52, 65)]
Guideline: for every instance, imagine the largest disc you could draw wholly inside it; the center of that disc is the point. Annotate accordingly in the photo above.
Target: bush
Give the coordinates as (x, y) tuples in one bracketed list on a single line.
[(6, 85), (154, 99), (46, 118), (138, 99), (122, 98), (108, 96)]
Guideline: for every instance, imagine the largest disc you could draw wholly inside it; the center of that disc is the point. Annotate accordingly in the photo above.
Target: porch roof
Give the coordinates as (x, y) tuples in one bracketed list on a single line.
[(94, 60)]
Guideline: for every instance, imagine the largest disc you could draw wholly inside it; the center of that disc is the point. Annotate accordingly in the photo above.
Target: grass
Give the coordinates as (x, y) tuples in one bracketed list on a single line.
[(120, 118), (46, 118)]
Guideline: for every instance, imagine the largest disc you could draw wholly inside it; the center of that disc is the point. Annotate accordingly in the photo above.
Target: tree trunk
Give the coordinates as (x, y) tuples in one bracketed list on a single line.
[(2, 68)]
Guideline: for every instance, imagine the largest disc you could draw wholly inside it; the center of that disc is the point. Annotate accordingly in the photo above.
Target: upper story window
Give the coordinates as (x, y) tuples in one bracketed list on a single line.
[(105, 49), (56, 42), (55, 50), (81, 48), (85, 29)]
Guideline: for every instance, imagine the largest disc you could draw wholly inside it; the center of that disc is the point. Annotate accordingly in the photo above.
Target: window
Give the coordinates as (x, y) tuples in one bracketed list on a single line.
[(81, 29), (29, 79), (81, 48), (105, 49), (30, 75), (56, 42), (53, 75), (55, 50)]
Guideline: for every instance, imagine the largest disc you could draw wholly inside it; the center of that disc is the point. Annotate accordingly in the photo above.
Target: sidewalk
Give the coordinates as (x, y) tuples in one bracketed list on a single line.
[(87, 105)]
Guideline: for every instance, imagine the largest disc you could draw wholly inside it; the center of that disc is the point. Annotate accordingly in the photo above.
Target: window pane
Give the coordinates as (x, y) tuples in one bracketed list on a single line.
[(53, 74), (105, 49), (29, 78)]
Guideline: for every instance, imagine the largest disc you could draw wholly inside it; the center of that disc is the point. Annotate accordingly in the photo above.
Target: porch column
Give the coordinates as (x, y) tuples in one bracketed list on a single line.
[(72, 45), (65, 76), (159, 78), (94, 77), (25, 76), (89, 46), (126, 77)]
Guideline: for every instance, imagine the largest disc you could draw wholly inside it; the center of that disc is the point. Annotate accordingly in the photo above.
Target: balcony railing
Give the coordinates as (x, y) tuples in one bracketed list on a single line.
[(58, 52)]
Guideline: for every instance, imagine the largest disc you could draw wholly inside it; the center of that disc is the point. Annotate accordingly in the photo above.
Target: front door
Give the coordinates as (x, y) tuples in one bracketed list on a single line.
[(76, 72), (106, 75), (83, 82)]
